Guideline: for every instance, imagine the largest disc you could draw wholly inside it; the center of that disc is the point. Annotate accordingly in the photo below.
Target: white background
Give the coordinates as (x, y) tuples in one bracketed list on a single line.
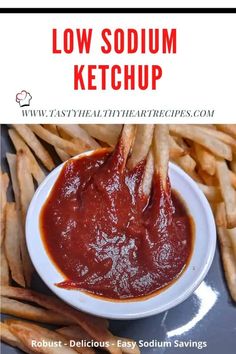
[(201, 75), (119, 3)]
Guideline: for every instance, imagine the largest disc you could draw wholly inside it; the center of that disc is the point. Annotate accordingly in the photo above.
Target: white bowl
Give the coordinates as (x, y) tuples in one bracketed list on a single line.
[(202, 256)]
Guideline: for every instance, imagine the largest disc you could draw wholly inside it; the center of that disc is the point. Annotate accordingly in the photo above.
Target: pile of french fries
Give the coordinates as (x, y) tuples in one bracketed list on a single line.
[(206, 152), (27, 169)]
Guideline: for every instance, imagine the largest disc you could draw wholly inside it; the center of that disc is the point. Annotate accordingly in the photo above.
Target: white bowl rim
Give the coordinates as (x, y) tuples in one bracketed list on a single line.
[(96, 310)]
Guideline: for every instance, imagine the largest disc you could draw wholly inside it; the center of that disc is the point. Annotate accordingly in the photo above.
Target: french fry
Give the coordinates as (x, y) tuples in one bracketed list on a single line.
[(220, 215), (29, 333), (9, 338), (6, 335), (228, 260), (77, 333), (211, 180), (19, 144), (77, 143), (108, 133), (207, 179), (232, 235), (212, 193), (74, 331), (11, 159), (4, 182), (225, 138), (188, 164), (27, 265), (161, 152), (211, 126), (205, 159), (4, 271), (142, 143), (30, 312), (61, 153), (25, 181), (228, 192), (198, 135), (55, 140), (63, 134), (181, 142), (126, 140), (51, 127), (228, 128), (112, 129), (233, 164), (33, 142), (26, 187), (26, 261), (233, 178), (12, 245), (175, 149), (81, 145), (96, 327), (75, 131), (148, 174)]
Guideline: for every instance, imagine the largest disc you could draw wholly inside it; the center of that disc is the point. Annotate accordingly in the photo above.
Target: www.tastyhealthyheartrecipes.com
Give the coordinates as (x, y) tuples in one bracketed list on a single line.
[(118, 113)]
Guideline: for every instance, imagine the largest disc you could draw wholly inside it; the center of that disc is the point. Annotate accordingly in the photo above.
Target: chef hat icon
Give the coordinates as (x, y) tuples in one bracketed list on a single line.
[(23, 98)]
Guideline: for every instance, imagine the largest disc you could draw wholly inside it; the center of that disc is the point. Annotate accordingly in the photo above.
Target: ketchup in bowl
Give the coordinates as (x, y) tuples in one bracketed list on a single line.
[(109, 239)]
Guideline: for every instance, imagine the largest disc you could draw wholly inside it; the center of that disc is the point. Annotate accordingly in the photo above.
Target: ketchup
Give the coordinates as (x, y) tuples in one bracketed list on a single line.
[(109, 239)]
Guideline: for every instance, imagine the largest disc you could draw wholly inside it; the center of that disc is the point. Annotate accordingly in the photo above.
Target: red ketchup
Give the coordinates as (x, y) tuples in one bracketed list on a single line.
[(106, 237)]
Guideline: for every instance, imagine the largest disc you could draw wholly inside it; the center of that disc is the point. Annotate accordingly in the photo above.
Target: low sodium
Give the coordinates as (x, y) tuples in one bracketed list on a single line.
[(129, 41)]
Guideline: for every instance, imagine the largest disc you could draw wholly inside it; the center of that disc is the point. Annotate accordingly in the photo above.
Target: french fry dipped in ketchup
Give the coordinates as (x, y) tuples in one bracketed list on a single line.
[(111, 223)]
